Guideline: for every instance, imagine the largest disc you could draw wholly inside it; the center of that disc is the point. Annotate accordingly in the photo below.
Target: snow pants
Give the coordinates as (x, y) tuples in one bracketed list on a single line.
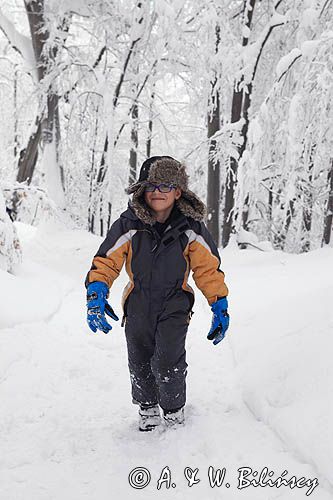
[(156, 327)]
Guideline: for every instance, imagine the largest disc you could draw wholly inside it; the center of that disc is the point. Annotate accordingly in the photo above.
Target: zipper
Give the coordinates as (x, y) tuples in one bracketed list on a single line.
[(157, 241), (156, 237)]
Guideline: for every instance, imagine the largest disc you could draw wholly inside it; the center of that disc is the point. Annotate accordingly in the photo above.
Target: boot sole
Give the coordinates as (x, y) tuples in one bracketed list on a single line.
[(148, 428)]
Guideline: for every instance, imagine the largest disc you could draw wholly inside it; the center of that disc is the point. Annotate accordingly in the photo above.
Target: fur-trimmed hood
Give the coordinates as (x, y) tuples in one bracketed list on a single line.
[(170, 171)]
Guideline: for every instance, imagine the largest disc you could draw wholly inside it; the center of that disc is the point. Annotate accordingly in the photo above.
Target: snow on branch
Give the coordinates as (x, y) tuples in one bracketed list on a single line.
[(286, 62), (20, 43), (252, 53)]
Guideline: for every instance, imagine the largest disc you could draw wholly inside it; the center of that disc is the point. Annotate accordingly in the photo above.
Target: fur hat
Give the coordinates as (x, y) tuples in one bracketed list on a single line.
[(164, 169)]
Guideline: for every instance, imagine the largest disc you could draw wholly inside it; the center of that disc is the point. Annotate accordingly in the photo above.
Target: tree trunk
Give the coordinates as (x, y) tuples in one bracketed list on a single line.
[(270, 211), (329, 210), (109, 215), (150, 124), (308, 203), (28, 157), (213, 182), (92, 181), (289, 218), (16, 139), (57, 138), (246, 106), (240, 109), (47, 126), (133, 159), (245, 128), (237, 112)]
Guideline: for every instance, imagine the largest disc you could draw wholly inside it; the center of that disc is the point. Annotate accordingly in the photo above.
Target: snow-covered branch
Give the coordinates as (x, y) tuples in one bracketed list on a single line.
[(20, 43), (286, 62)]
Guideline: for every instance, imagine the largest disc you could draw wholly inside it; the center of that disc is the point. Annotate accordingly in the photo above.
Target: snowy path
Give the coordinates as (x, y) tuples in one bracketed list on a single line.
[(68, 428)]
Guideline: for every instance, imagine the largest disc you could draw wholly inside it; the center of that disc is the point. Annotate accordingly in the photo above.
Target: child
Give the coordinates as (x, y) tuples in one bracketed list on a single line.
[(161, 237)]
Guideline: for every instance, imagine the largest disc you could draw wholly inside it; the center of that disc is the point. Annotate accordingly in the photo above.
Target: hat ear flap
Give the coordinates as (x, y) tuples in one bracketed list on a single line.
[(140, 207), (191, 206), (133, 187)]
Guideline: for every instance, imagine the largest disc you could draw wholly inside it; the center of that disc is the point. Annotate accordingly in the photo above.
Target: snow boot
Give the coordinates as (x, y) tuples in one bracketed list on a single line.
[(149, 417), (173, 418)]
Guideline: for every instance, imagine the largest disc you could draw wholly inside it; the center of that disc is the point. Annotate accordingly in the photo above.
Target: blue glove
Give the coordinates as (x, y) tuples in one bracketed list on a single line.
[(97, 305), (220, 321)]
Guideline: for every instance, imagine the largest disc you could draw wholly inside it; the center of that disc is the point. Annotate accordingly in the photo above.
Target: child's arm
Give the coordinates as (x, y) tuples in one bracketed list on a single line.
[(110, 258), (205, 263)]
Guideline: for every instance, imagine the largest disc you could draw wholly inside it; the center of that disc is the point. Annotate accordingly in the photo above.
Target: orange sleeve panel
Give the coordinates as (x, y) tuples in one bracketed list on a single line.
[(206, 273), (108, 268)]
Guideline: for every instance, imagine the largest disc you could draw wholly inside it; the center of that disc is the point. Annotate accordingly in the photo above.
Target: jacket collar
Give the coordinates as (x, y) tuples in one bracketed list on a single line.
[(129, 213), (178, 224)]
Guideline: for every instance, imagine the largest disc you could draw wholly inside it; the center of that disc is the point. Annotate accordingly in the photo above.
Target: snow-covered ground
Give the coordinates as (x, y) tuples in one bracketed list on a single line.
[(261, 398)]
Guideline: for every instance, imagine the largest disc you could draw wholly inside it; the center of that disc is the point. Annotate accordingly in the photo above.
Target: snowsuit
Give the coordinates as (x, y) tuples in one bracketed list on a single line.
[(157, 302)]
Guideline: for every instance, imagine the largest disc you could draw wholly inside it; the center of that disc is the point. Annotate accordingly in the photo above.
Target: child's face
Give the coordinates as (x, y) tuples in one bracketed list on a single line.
[(159, 202)]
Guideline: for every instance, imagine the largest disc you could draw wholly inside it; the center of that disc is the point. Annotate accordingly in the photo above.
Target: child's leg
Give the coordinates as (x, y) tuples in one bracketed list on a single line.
[(140, 349), (169, 361)]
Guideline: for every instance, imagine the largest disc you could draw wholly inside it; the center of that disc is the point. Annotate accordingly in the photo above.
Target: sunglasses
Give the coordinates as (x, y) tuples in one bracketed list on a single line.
[(163, 188)]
